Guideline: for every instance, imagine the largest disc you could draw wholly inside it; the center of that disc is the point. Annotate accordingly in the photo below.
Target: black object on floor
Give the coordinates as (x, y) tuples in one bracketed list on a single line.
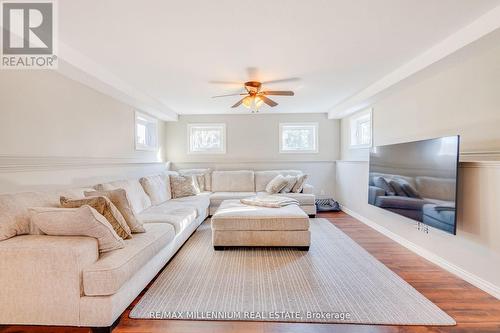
[(327, 205)]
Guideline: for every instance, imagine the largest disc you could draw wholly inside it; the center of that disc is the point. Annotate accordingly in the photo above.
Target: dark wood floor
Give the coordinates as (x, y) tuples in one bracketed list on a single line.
[(473, 309)]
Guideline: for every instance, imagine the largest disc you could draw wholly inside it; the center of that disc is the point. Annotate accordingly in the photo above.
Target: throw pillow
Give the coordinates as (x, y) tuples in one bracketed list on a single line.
[(290, 182), (200, 180), (83, 221), (276, 184), (409, 190), (207, 173), (299, 185), (119, 198), (136, 195), (383, 184), (183, 186), (105, 207), (157, 188), (396, 185)]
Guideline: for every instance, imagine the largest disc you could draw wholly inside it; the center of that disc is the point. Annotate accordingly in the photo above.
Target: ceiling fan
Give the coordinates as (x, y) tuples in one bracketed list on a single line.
[(255, 96)]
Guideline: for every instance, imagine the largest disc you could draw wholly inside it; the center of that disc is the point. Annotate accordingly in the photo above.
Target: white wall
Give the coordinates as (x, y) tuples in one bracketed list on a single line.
[(253, 143), (459, 95), (56, 131)]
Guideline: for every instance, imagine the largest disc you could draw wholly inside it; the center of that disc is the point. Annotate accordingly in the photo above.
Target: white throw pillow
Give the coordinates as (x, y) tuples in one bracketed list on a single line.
[(157, 187), (290, 182), (299, 185), (276, 184), (82, 221), (135, 193)]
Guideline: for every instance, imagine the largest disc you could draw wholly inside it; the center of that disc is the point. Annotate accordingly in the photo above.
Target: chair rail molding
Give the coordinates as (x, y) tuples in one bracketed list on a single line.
[(23, 163)]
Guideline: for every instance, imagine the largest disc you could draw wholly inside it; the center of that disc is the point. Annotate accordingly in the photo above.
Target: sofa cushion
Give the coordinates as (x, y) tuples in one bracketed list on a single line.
[(233, 181), (178, 212), (82, 221), (262, 178), (200, 202), (179, 217), (157, 188), (217, 197), (138, 198), (113, 269), (395, 202), (207, 175)]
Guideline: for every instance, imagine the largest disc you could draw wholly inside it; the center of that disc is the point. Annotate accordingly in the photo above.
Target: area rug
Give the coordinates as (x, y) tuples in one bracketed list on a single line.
[(337, 281)]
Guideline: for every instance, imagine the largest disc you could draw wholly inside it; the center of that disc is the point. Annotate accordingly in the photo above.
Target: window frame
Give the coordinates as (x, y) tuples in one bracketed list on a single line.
[(355, 119), (220, 126), (151, 120), (315, 126)]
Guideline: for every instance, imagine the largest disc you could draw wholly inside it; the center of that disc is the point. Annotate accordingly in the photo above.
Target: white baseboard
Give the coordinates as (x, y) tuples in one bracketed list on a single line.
[(454, 269)]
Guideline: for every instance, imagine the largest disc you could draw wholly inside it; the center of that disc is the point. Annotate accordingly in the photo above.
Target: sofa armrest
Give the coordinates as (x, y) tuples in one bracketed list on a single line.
[(308, 189), (41, 278), (373, 193)]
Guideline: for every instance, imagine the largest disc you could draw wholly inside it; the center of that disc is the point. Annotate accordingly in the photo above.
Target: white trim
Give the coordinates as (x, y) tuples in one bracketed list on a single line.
[(150, 119), (27, 163), (446, 265), (488, 161), (222, 126), (305, 124), (463, 37)]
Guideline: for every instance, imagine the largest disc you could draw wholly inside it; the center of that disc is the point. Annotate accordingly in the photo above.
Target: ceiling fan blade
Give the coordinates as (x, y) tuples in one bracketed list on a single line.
[(238, 94), (278, 93), (238, 103), (290, 79), (268, 101)]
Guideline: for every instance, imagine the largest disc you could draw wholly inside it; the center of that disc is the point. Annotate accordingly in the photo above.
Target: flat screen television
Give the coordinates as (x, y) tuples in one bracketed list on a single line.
[(417, 180)]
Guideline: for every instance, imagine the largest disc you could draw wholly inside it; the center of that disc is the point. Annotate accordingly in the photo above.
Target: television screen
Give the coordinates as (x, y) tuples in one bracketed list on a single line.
[(417, 180)]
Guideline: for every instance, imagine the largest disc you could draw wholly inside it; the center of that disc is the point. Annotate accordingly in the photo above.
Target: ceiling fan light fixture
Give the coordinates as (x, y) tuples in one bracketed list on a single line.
[(255, 98), (247, 102), (252, 102)]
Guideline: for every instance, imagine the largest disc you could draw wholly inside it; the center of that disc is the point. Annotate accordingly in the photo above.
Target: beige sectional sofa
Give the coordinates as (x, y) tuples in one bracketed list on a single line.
[(63, 280)]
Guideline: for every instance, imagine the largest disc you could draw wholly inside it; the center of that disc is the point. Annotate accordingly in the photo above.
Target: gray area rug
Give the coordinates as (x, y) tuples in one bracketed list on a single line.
[(337, 281)]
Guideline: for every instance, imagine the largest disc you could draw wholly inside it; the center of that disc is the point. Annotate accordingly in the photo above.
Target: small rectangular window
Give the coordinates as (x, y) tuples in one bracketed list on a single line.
[(146, 132), (298, 137), (361, 129), (207, 138)]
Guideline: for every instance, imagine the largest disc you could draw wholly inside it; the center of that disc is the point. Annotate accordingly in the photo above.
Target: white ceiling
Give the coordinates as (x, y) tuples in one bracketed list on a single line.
[(171, 50)]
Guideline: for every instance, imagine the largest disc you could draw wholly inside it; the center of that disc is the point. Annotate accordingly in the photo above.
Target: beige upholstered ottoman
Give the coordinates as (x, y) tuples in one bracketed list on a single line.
[(236, 224)]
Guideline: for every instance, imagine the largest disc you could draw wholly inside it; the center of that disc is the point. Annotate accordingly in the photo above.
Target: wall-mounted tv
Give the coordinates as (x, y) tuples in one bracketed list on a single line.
[(417, 180)]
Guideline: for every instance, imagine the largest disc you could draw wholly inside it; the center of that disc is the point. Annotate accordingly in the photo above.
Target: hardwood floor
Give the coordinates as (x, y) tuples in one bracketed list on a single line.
[(473, 309)]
